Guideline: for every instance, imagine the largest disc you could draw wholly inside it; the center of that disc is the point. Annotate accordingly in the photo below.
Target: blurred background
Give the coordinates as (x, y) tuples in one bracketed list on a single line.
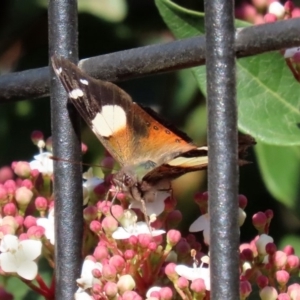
[(108, 26)]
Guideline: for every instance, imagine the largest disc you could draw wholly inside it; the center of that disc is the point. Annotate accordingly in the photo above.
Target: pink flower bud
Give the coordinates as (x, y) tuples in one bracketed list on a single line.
[(262, 281), (166, 293), (182, 283), (104, 207), (109, 225), (152, 246), (100, 189), (245, 289), (36, 136), (10, 186), (10, 209), (174, 218), (118, 262), (22, 169), (100, 253), (129, 254), (243, 201), (289, 6), (173, 237), (36, 232), (280, 259), (293, 262), (289, 250), (29, 221), (20, 220), (6, 173), (96, 227), (282, 277), (269, 214), (294, 291), (259, 221), (144, 240), (23, 197), (90, 213), (125, 283), (283, 296), (84, 148), (268, 293), (296, 12), (198, 286), (270, 18), (97, 289), (247, 254), (110, 289), (170, 271), (96, 273), (27, 183), (109, 272), (131, 295), (41, 204), (271, 248), (133, 240)]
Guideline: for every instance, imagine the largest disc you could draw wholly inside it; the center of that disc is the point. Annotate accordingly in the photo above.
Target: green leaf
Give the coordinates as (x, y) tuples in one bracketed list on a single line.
[(267, 93), (280, 168)]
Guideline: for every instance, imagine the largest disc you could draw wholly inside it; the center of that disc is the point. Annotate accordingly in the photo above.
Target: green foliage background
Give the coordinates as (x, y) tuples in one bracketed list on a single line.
[(268, 101)]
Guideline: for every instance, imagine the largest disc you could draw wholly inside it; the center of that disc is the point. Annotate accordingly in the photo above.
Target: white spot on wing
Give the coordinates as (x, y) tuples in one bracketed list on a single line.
[(59, 70), (83, 81), (74, 94), (111, 119)]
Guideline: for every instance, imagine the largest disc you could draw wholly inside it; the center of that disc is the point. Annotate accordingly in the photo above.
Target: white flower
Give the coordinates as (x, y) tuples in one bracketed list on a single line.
[(154, 207), (43, 163), (291, 52), (18, 256), (277, 9), (90, 183), (262, 242), (134, 230), (195, 273), (82, 295), (48, 225), (87, 279), (202, 224)]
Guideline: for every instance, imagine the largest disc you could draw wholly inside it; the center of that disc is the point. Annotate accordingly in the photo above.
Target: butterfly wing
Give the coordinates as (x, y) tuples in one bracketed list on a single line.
[(133, 135)]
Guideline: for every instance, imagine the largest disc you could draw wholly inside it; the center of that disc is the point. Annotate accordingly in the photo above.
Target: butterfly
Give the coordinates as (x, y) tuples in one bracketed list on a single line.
[(150, 151)]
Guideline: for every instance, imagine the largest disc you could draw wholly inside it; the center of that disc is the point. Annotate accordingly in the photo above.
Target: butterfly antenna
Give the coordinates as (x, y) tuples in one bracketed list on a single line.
[(79, 163)]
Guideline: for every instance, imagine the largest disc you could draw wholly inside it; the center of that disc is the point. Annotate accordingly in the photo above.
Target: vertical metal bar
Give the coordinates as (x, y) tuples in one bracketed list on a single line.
[(222, 141), (65, 121)]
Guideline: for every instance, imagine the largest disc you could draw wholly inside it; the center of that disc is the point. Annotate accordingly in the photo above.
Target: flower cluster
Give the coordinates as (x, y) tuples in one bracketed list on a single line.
[(269, 11), (131, 250)]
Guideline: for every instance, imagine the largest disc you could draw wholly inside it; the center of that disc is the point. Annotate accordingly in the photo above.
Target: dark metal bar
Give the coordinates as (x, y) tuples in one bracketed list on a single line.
[(66, 144), (147, 60), (222, 142)]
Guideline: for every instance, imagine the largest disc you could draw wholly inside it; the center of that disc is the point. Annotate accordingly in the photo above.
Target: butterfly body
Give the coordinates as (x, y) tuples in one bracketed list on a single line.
[(150, 151)]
